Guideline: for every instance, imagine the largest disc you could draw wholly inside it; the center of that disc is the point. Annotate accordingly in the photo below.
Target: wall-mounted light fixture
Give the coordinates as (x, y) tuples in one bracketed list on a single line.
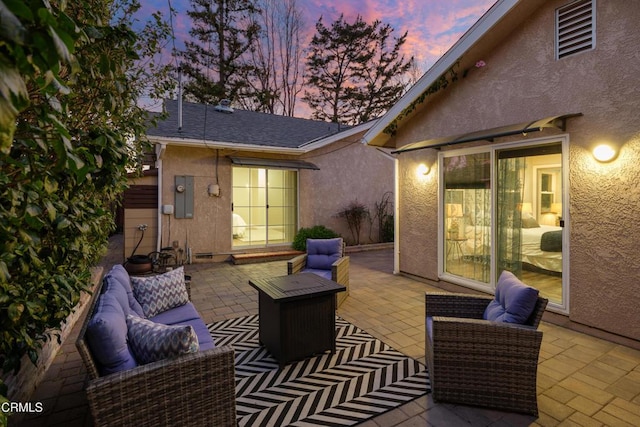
[(604, 153), (423, 170)]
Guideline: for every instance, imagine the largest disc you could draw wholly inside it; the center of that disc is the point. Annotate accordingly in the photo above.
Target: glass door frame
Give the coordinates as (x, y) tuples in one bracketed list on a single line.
[(266, 197), (562, 307)]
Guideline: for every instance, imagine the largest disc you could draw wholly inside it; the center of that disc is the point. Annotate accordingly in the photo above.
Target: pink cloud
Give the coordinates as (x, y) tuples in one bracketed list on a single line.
[(433, 26)]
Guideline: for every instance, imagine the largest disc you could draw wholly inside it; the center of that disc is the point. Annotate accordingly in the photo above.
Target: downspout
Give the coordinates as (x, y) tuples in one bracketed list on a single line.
[(396, 211), (160, 149), (180, 101), (396, 218)]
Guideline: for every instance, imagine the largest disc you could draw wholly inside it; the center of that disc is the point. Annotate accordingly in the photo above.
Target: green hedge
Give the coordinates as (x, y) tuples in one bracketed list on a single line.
[(70, 79), (316, 232)]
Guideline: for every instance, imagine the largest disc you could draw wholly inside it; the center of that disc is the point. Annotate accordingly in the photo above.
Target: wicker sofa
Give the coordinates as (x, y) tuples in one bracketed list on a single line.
[(192, 389), (480, 362), (328, 260)]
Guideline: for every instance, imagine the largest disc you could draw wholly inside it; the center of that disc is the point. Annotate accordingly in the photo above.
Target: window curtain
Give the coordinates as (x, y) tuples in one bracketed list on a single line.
[(479, 203), (510, 189)]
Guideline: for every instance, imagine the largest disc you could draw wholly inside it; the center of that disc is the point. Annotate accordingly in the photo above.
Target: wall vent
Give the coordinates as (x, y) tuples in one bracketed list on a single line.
[(575, 28), (204, 255)]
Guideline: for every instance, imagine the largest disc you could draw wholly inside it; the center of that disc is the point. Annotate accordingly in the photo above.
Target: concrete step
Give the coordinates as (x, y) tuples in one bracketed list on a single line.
[(251, 258)]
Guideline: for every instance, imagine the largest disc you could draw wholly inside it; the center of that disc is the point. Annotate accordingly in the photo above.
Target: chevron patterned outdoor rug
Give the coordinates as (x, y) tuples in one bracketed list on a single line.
[(364, 378)]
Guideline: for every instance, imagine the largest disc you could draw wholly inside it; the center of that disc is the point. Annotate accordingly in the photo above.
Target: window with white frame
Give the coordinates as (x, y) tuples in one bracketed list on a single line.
[(500, 210), (265, 206)]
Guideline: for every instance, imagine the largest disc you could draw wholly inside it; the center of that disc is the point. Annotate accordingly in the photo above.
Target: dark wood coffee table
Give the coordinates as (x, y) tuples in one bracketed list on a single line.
[(297, 315)]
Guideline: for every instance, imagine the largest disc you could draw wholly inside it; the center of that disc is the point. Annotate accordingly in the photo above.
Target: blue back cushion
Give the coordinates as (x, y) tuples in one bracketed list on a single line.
[(119, 275), (514, 301), (321, 253), (107, 336), (118, 292)]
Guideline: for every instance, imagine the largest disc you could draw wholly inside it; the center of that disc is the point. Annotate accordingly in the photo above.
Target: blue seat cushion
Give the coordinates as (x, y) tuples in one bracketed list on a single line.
[(204, 336), (514, 301), (177, 314), (107, 336), (119, 275), (187, 315), (321, 253), (322, 273)]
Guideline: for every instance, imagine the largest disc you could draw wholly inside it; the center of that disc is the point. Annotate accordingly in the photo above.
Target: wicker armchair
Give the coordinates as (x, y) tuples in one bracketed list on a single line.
[(191, 390), (477, 362), (339, 272)]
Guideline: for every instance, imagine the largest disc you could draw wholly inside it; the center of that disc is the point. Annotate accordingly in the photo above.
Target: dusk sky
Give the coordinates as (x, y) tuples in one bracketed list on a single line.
[(433, 26)]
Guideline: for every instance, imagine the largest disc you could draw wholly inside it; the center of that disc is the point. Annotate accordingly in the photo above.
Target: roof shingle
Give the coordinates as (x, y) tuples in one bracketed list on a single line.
[(203, 122)]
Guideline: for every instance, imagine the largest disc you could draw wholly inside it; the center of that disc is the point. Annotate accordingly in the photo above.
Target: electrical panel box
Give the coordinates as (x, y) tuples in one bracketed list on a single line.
[(184, 196)]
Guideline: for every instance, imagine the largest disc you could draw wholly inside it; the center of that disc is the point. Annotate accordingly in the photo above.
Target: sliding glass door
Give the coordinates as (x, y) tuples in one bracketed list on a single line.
[(467, 216), (502, 209), (265, 206)]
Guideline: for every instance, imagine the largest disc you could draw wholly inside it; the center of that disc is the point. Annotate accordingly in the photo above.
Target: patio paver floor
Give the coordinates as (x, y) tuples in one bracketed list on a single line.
[(582, 380)]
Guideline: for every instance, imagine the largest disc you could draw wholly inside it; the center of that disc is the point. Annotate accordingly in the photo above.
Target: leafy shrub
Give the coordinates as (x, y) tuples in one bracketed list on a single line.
[(316, 232), (355, 214), (70, 81), (384, 218), (387, 229)]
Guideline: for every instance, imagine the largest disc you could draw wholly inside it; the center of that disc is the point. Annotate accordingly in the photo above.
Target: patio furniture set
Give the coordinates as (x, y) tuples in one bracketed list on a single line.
[(151, 360), (483, 350)]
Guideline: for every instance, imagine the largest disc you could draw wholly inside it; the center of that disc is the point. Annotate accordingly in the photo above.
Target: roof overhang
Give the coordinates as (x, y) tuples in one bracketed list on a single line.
[(557, 122), (183, 142), (272, 163), (296, 151), (327, 140), (494, 18)]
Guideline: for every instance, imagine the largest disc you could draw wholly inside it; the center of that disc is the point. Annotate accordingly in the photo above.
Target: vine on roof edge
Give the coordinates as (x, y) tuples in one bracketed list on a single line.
[(448, 77)]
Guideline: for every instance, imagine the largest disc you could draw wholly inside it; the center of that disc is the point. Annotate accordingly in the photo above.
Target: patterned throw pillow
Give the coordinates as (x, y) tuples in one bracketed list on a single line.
[(161, 292), (151, 341)]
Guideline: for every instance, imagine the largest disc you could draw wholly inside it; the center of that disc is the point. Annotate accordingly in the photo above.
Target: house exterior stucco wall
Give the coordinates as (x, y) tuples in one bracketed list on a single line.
[(522, 82), (209, 231), (418, 215), (349, 172)]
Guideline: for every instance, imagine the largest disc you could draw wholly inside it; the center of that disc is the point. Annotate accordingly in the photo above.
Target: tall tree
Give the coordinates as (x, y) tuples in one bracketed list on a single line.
[(215, 60), (354, 70), (275, 83)]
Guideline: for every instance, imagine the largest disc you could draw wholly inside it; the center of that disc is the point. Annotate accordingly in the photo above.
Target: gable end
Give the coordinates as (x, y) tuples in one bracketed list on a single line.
[(575, 28)]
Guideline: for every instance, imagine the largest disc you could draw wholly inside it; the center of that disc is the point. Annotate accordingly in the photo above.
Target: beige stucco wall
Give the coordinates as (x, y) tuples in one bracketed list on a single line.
[(209, 231), (522, 81), (349, 172)]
